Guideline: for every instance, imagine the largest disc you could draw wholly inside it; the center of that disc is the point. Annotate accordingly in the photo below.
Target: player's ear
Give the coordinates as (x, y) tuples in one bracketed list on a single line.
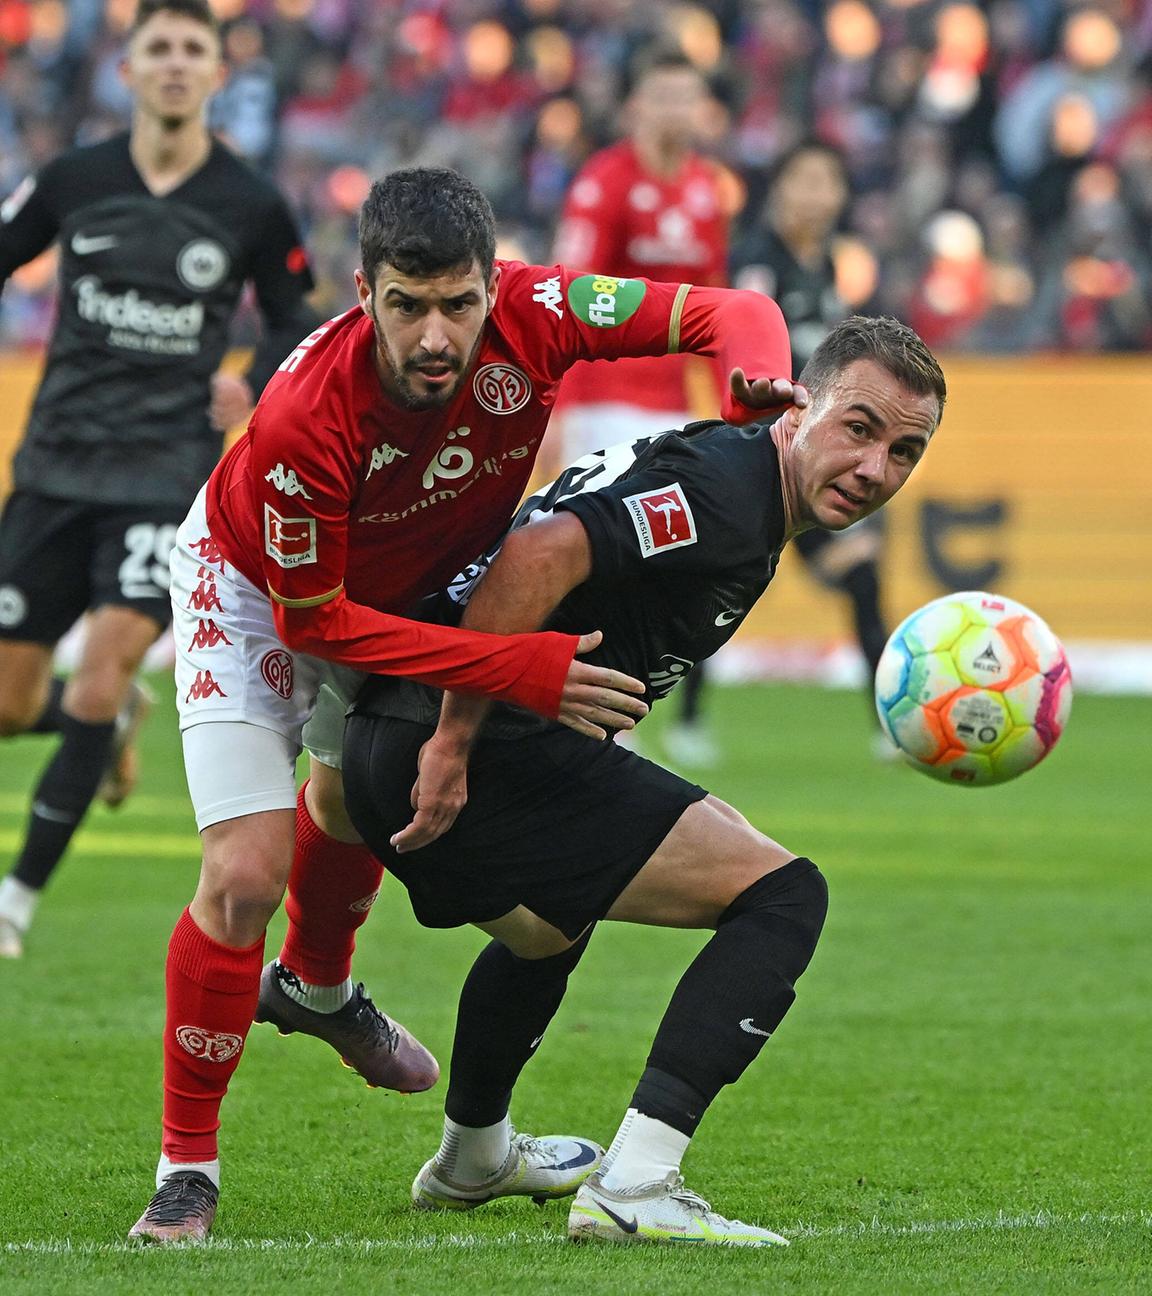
[(493, 286), (364, 294)]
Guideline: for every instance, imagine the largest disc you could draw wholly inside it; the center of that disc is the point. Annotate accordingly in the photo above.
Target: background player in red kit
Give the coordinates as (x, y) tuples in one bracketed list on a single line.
[(651, 205), (391, 446)]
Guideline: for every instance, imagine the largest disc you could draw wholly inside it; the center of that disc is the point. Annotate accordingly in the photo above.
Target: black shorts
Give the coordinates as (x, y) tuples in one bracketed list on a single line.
[(555, 821), (61, 558)]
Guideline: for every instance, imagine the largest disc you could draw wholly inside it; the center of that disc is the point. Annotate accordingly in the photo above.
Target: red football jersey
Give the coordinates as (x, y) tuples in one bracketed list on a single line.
[(349, 508), (620, 218)]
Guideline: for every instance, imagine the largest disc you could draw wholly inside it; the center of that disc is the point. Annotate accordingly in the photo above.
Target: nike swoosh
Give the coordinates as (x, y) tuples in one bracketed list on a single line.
[(83, 245), (746, 1025), (582, 1158), (726, 618), (626, 1226)]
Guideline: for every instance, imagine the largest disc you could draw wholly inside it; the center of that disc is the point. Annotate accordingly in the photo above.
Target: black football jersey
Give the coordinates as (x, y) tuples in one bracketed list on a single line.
[(686, 531), (148, 286)]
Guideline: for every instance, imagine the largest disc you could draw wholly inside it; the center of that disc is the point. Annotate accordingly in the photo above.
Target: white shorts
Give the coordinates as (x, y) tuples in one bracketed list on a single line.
[(232, 670), (592, 427)]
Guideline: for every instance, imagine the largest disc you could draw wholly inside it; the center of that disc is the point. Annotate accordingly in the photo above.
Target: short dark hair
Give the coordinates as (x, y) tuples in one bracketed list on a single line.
[(801, 149), (661, 59), (198, 10), (426, 221), (892, 345)]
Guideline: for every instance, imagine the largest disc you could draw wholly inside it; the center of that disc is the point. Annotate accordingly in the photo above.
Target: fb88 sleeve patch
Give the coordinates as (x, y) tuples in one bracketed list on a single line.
[(662, 519)]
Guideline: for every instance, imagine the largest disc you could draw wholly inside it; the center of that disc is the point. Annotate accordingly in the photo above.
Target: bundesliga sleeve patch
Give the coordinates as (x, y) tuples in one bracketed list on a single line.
[(662, 518), (290, 542)]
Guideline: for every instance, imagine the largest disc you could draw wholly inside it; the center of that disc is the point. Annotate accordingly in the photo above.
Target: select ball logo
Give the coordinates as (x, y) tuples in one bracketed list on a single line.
[(501, 389), (605, 302)]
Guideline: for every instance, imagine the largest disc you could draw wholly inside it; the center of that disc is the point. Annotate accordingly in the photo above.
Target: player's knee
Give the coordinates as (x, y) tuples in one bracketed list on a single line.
[(242, 893), (96, 696), (790, 904)]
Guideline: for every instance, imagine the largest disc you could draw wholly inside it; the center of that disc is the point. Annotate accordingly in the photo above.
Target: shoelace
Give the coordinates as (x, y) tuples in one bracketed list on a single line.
[(179, 1197), (372, 1020), (695, 1202)]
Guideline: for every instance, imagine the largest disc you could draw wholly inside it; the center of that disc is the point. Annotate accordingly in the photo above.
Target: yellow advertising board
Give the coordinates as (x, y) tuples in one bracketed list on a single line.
[(1038, 485)]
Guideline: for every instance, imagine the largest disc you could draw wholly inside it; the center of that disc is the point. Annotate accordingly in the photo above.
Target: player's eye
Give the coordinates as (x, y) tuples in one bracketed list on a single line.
[(859, 429)]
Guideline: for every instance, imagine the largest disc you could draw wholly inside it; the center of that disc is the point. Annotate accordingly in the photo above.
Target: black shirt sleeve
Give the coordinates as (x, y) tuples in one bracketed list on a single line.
[(28, 222), (696, 507)]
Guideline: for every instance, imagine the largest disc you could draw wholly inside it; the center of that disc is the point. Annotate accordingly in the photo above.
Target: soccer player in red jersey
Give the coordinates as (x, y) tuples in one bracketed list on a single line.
[(651, 205), (391, 446)]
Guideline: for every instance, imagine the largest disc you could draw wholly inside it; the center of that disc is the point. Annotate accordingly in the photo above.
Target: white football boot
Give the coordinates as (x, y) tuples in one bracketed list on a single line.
[(540, 1168), (664, 1212)]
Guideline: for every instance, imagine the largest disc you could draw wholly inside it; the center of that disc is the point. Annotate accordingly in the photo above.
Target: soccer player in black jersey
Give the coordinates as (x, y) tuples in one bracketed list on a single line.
[(159, 229), (666, 545)]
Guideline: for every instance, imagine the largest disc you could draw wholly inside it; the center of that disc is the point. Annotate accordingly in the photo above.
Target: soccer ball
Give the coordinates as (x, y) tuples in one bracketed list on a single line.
[(973, 688)]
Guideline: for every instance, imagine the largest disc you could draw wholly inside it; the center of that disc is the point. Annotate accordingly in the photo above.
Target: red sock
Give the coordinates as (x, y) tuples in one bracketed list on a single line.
[(330, 891), (212, 994)]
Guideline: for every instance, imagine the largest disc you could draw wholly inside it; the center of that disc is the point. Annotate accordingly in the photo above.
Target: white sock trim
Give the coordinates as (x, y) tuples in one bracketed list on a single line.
[(472, 1154), (166, 1167), (644, 1151), (18, 902), (321, 999)]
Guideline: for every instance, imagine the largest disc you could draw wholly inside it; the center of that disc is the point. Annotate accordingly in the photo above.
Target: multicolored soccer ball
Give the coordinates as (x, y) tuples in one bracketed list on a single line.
[(973, 688)]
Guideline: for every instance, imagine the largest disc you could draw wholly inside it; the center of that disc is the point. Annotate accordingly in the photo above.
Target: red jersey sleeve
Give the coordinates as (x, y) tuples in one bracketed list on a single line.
[(303, 480), (602, 317)]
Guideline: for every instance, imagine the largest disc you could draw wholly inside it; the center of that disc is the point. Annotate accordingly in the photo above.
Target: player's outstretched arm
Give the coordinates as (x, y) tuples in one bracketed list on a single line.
[(537, 566)]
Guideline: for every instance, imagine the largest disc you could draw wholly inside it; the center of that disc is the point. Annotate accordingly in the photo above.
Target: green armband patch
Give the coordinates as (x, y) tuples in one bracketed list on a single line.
[(604, 302)]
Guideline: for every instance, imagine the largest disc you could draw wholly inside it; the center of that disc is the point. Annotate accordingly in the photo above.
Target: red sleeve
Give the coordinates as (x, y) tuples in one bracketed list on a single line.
[(527, 670), (303, 476), (601, 317)]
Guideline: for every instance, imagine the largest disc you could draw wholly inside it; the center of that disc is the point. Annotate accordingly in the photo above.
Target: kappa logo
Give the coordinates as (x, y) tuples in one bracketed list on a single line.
[(212, 1046), (204, 687), (208, 551), (662, 518), (85, 245), (276, 669), (289, 542), (382, 456), (502, 389), (286, 481), (549, 295), (205, 597), (208, 634)]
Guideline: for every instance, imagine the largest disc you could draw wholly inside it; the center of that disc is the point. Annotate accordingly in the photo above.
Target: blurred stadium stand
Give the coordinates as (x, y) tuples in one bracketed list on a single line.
[(1001, 157)]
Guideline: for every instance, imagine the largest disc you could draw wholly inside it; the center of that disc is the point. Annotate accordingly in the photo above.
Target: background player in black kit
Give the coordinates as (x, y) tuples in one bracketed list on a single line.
[(556, 831), (788, 256), (159, 229)]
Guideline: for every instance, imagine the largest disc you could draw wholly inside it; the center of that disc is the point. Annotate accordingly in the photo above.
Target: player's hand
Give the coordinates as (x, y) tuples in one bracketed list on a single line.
[(596, 699), (773, 395), (231, 401), (438, 795)]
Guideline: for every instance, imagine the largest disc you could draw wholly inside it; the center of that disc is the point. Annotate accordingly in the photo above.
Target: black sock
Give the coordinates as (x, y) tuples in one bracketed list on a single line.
[(734, 994), (862, 585), (50, 718), (691, 690), (505, 1007), (63, 795)]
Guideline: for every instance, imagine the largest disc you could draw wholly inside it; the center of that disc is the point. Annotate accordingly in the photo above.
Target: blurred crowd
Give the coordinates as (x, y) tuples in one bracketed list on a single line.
[(999, 151)]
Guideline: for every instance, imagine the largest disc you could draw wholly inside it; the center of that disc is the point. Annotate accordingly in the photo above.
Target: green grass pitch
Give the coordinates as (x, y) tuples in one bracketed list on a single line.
[(957, 1103)]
